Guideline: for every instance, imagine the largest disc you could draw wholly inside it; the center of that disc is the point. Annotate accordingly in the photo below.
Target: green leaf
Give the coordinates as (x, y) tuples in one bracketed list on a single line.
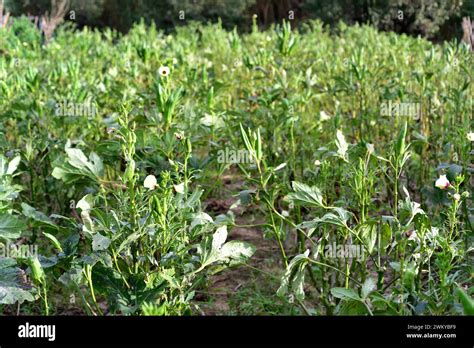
[(69, 244), (385, 235), (78, 166), (395, 265), (351, 307), (466, 301), (409, 209), (368, 233), (340, 219), (293, 279), (169, 276), (11, 290), (72, 278), (10, 226), (400, 146), (77, 159), (86, 203), (131, 238), (259, 153), (219, 238), (246, 140), (245, 196), (237, 251), (54, 240), (200, 219), (368, 286), (67, 174), (13, 165), (345, 294), (305, 194), (100, 242), (36, 215), (409, 274), (96, 165), (225, 219), (3, 165), (6, 263), (11, 293), (193, 200)]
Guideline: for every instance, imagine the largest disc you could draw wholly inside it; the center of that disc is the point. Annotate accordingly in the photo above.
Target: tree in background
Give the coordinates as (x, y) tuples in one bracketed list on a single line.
[(435, 19), (415, 17)]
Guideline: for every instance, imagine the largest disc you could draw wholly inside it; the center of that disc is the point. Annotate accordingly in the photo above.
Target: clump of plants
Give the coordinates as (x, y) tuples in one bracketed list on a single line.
[(128, 161)]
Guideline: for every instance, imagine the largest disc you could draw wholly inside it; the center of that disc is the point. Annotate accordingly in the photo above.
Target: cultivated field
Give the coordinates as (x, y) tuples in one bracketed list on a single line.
[(278, 172)]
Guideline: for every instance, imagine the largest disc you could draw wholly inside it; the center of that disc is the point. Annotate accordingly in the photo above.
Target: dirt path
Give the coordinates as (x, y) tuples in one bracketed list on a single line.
[(225, 284)]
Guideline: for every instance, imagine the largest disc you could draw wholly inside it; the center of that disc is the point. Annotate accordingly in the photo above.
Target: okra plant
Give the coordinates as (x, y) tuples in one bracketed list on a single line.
[(134, 164)]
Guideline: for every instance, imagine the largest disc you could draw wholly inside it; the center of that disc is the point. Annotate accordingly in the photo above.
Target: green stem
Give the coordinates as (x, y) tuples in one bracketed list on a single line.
[(45, 298)]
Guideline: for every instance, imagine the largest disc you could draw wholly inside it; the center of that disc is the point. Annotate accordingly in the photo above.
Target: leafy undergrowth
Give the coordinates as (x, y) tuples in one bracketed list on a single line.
[(211, 172)]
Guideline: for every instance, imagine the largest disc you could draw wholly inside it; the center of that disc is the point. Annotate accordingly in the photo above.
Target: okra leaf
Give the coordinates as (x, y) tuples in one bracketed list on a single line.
[(10, 226), (345, 294)]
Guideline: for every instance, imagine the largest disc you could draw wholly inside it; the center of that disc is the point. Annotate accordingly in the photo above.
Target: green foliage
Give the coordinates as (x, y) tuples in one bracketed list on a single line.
[(133, 210), (404, 16), (437, 19)]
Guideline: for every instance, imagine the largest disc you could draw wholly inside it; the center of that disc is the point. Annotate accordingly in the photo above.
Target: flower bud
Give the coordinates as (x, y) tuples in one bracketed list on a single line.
[(188, 145), (130, 171)]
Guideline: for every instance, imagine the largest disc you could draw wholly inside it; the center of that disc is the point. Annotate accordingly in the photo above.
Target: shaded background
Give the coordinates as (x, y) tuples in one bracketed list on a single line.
[(433, 19)]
